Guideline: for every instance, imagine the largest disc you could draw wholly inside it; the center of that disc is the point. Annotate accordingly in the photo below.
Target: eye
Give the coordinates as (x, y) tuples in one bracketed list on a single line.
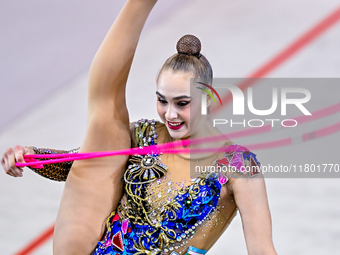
[(183, 103), (161, 100)]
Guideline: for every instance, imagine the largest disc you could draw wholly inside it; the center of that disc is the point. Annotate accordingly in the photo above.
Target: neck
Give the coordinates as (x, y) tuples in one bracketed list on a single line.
[(205, 130)]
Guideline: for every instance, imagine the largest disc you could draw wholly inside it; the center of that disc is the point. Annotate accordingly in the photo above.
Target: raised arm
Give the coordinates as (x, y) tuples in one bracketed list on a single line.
[(94, 187), (111, 64)]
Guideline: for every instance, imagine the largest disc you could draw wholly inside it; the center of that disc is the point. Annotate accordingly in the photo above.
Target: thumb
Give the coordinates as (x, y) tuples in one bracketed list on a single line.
[(19, 154), (20, 157)]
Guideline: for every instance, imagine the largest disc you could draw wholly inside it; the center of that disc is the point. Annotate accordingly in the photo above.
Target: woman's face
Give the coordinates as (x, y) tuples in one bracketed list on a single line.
[(174, 101)]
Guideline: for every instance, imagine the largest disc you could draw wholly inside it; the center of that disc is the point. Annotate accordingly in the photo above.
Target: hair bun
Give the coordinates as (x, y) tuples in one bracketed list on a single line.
[(189, 45)]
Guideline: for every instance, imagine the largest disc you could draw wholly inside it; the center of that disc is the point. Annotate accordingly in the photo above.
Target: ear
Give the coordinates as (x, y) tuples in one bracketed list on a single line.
[(210, 101)]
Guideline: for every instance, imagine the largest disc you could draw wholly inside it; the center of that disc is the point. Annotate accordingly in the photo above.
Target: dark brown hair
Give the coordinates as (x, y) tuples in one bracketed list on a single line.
[(189, 59)]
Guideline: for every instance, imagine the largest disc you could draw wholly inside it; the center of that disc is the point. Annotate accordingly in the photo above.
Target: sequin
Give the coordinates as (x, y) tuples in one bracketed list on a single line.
[(146, 174), (117, 241), (222, 179), (152, 174), (174, 218), (125, 225)]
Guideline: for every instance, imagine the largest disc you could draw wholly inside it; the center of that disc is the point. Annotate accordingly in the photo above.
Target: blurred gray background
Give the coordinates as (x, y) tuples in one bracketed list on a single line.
[(46, 49)]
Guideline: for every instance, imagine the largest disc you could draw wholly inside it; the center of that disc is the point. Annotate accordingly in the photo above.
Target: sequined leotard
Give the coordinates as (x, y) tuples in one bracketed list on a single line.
[(158, 215), (161, 213)]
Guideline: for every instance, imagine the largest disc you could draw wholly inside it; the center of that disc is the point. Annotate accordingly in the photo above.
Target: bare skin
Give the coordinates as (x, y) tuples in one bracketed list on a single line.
[(253, 206), (93, 187), (12, 156)]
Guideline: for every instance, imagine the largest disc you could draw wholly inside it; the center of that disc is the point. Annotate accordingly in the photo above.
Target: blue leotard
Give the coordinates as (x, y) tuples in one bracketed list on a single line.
[(153, 217)]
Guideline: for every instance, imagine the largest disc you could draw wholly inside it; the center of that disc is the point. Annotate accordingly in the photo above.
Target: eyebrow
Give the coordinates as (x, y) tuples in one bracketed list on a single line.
[(175, 98)]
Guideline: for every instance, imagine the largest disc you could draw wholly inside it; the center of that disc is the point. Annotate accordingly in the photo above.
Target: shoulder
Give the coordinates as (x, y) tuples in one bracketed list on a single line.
[(145, 122), (145, 132), (239, 159)]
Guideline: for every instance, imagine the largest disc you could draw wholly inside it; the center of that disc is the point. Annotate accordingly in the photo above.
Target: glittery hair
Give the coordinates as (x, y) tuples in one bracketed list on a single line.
[(189, 59)]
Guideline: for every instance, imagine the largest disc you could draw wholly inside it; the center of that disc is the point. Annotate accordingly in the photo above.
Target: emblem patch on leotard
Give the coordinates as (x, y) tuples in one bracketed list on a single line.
[(240, 159), (144, 169)]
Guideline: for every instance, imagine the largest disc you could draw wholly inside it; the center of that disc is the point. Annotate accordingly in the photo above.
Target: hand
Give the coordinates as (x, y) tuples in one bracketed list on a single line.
[(13, 155)]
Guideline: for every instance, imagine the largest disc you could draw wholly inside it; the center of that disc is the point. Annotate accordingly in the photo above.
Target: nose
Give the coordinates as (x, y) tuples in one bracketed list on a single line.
[(171, 113)]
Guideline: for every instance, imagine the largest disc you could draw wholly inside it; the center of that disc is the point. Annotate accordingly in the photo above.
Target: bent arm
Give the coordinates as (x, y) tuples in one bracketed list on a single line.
[(251, 199)]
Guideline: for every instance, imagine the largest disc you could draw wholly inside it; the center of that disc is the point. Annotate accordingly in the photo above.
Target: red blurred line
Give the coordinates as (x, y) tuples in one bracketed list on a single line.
[(269, 145), (272, 64), (249, 132), (332, 129), (322, 113), (37, 242), (322, 132), (299, 44), (288, 52), (319, 114)]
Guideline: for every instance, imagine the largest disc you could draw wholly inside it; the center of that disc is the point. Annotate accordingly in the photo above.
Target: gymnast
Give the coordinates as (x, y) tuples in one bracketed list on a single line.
[(150, 204)]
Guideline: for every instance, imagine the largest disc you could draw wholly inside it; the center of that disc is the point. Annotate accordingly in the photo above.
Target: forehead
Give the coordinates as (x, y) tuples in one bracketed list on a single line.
[(172, 83)]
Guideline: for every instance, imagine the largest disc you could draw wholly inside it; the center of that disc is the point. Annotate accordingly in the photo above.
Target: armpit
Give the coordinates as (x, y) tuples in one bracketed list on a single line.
[(132, 133)]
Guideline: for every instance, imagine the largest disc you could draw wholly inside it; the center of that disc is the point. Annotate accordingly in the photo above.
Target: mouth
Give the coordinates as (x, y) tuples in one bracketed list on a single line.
[(175, 125)]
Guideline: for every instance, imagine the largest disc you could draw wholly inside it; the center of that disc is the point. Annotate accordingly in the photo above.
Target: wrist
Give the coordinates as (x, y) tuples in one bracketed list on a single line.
[(31, 150)]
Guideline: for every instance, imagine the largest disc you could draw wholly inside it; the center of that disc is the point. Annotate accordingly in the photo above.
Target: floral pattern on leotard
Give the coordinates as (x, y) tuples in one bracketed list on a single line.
[(140, 227)]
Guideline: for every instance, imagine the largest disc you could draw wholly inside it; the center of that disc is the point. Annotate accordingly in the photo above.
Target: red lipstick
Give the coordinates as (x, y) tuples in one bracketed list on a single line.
[(175, 125)]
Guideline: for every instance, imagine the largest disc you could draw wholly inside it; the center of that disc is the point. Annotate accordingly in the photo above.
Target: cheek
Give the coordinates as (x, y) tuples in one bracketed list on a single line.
[(195, 109), (186, 115), (161, 111), (195, 116)]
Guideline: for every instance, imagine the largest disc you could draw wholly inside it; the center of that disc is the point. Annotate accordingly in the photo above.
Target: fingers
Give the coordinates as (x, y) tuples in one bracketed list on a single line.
[(28, 151), (10, 173), (19, 154), (11, 163), (3, 164), (8, 163)]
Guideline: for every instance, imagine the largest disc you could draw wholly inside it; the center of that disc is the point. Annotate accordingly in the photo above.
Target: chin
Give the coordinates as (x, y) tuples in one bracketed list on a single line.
[(178, 135)]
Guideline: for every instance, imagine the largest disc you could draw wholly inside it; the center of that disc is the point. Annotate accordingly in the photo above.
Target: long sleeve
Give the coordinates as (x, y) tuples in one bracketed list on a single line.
[(57, 171)]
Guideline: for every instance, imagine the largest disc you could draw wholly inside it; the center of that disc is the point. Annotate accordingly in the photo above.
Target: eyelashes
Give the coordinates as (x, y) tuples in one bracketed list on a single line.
[(183, 103), (180, 103), (162, 101)]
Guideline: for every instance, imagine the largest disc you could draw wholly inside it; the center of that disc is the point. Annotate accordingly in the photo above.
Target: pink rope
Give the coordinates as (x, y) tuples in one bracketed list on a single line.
[(168, 148), (31, 160)]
